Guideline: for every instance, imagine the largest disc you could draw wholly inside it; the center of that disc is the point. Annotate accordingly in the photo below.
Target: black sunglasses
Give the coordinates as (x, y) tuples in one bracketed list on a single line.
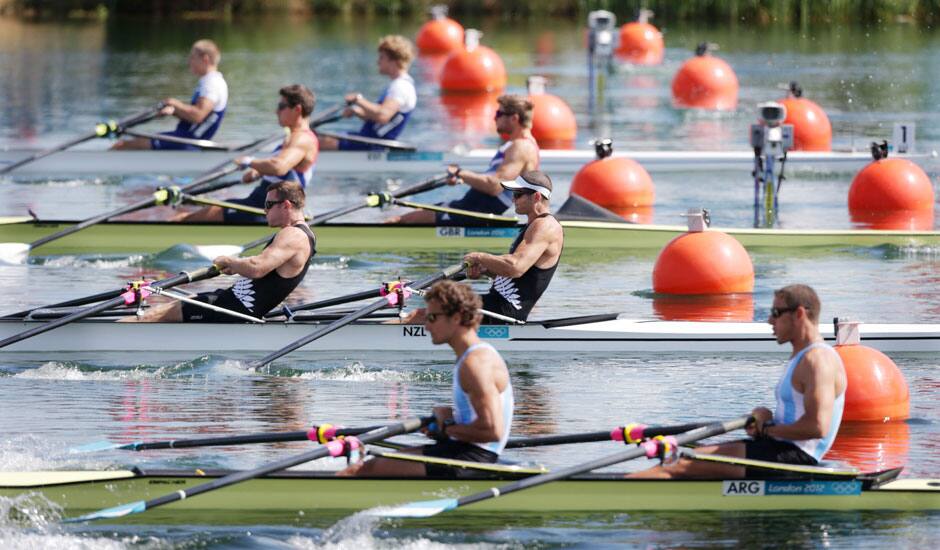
[(516, 193), (776, 312), (431, 317), (501, 113), (271, 204)]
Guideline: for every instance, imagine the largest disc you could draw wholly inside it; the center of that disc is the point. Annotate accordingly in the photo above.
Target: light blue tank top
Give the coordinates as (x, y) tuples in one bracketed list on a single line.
[(463, 409), (790, 406)]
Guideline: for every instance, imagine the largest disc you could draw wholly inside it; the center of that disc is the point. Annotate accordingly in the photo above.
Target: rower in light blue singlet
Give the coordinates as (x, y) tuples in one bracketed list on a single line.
[(790, 406), (463, 409)]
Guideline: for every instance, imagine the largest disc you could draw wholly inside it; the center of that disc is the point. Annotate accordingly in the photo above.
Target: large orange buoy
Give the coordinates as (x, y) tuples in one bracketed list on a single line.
[(703, 261), (553, 122), (891, 193), (876, 388), (811, 128), (705, 82), (474, 69), (440, 34), (709, 308), (640, 42), (614, 183)]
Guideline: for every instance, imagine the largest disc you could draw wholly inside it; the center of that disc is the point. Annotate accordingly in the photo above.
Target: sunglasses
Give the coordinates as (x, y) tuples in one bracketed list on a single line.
[(271, 204), (431, 317), (501, 113), (776, 312), (283, 105), (516, 193)]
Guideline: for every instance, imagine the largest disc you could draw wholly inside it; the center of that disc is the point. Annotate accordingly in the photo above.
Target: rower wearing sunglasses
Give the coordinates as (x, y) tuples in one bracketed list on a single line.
[(264, 280), (293, 160), (518, 154), (810, 398), (522, 275)]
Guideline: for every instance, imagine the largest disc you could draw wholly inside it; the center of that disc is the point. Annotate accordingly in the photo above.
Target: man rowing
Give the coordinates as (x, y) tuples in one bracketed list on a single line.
[(266, 279), (386, 117), (522, 275), (477, 426), (294, 160), (519, 153), (202, 116), (810, 398)]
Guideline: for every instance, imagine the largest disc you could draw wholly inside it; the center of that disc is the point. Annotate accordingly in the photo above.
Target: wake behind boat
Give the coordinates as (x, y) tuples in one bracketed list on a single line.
[(335, 238), (596, 333), (555, 162)]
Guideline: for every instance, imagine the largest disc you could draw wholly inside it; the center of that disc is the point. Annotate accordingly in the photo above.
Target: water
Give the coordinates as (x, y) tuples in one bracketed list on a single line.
[(56, 78)]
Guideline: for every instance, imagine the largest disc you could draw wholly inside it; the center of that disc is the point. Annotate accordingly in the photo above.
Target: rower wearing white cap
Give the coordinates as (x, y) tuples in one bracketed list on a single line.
[(522, 275)]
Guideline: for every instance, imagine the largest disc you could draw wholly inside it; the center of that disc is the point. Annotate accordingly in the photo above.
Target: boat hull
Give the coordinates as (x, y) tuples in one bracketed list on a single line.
[(616, 335), (305, 497), (554, 162), (150, 237)]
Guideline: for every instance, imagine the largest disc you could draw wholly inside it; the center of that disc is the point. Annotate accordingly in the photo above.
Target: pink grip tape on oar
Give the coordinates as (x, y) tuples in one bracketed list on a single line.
[(631, 433)]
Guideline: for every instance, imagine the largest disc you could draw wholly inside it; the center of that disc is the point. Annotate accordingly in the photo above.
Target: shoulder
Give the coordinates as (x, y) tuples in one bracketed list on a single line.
[(290, 236), (546, 225), (821, 359), (523, 146), (213, 79), (482, 360)]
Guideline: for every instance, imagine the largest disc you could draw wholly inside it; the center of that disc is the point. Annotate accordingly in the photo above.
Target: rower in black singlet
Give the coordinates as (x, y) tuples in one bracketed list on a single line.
[(516, 297), (253, 297)]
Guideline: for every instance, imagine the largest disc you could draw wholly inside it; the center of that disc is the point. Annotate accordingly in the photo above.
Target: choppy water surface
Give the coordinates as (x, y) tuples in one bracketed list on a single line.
[(56, 78)]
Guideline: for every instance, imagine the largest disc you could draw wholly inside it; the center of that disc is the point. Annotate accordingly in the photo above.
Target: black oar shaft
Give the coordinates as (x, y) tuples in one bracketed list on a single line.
[(170, 282), (358, 314), (428, 185), (250, 439), (589, 437), (709, 430), (364, 295)]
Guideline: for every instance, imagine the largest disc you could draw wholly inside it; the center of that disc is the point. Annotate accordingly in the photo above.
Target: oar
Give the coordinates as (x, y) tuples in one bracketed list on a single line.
[(321, 433), (631, 433), (652, 447), (392, 144), (456, 211), (322, 451), (17, 250), (102, 129), (351, 317), (376, 199), (205, 144), (329, 302), (124, 296), (766, 465)]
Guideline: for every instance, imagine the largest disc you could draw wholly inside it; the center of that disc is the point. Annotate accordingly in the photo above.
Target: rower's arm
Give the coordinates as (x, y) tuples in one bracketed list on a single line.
[(514, 265), (817, 378), (285, 245), (476, 379), (376, 112), (514, 162), (292, 154), (191, 113)]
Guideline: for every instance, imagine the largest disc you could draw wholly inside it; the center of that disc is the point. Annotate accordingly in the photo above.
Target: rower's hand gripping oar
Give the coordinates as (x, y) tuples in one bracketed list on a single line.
[(102, 130), (19, 251), (378, 199), (651, 448), (132, 293), (335, 447), (391, 299), (319, 433)]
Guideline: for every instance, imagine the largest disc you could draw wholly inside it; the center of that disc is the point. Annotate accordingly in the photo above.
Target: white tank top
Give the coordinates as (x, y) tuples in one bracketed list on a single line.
[(790, 406), (463, 409)]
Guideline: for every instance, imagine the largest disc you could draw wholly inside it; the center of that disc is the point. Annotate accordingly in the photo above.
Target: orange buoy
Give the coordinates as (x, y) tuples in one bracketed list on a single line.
[(892, 193), (876, 388), (553, 122), (440, 34), (614, 183), (705, 82), (703, 261), (708, 308), (811, 128), (640, 42), (474, 69)]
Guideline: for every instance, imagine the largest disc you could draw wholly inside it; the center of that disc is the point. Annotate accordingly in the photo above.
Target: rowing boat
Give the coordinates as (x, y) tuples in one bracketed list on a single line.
[(150, 237), (312, 497), (554, 162), (596, 333)]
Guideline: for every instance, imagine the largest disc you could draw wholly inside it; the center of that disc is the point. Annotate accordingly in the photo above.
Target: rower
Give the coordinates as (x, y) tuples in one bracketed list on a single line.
[(518, 154), (386, 118), (202, 116), (294, 160), (810, 398), (477, 427), (266, 279)]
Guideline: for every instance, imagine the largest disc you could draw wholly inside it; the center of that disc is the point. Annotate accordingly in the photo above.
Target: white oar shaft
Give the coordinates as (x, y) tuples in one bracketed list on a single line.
[(204, 305)]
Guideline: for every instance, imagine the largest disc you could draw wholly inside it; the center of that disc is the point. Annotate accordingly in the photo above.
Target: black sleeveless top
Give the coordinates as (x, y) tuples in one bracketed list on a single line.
[(516, 297), (260, 296)]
